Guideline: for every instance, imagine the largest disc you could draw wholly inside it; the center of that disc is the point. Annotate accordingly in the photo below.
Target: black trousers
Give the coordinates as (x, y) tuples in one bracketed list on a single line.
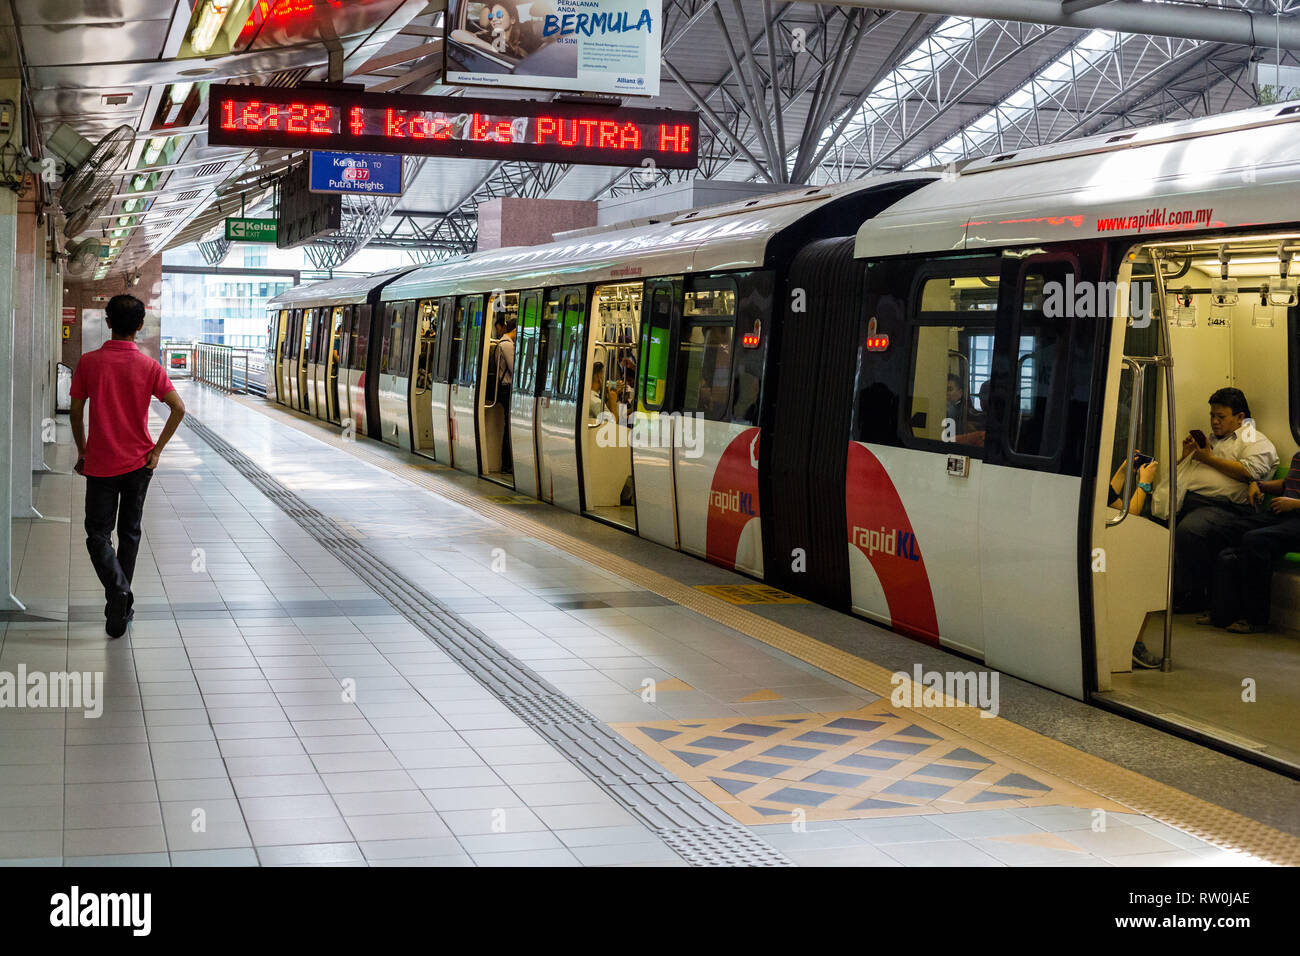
[(1205, 527), (117, 500), (1244, 574), (503, 399)]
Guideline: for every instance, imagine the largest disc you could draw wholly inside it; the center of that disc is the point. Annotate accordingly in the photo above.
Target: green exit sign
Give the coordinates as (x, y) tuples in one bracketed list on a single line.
[(239, 229)]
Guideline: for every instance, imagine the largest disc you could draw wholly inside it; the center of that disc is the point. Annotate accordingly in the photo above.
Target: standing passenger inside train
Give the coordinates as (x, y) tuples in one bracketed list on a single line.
[(504, 331), (1243, 575), (1215, 474)]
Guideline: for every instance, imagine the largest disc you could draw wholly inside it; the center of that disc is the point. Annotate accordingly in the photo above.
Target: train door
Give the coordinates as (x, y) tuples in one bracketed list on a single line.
[(426, 350), (494, 403), (530, 356), (916, 466), (279, 327), (445, 359), (292, 341), (557, 417), (303, 366), (653, 428), (606, 417), (715, 459), (1031, 493), (332, 348), (302, 319), (395, 374), (469, 318), (316, 364), (347, 342)]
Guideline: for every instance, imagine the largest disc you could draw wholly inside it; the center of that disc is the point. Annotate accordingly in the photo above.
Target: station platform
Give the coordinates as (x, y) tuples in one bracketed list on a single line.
[(343, 654)]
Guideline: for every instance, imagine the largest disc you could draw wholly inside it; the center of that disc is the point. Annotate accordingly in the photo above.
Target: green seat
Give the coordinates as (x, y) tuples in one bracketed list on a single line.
[(1283, 469)]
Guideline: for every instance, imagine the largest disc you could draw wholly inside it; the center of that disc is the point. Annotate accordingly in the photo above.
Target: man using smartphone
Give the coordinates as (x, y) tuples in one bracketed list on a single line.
[(118, 456), (1215, 471)]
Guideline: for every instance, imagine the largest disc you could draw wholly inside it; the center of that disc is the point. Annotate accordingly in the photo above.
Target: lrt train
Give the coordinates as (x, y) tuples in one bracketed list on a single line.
[(903, 397)]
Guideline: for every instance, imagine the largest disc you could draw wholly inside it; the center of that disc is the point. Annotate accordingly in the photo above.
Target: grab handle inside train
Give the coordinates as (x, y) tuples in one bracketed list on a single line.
[(1134, 426)]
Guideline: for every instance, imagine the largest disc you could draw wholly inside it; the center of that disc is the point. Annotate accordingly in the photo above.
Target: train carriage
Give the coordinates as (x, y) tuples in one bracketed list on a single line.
[(320, 349), (904, 397)]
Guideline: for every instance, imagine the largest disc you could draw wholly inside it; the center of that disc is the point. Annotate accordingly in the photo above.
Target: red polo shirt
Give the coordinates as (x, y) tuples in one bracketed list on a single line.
[(119, 380)]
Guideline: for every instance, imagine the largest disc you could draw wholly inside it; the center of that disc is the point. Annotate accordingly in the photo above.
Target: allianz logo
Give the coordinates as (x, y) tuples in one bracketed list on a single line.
[(741, 502), (896, 543)]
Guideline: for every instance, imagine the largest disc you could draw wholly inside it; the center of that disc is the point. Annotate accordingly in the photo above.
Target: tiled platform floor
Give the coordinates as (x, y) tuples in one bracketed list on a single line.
[(266, 707)]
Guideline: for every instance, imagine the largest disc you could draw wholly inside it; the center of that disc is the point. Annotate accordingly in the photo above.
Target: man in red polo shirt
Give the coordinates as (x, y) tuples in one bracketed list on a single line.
[(119, 456)]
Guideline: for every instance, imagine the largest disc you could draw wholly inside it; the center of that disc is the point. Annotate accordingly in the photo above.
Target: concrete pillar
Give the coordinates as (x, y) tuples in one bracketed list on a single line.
[(8, 258), (25, 325)]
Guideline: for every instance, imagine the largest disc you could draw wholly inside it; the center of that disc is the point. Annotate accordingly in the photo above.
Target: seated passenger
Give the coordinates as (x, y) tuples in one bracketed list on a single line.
[(596, 399), (1216, 478), (958, 409), (1114, 495), (1242, 586), (972, 432), (1146, 477)]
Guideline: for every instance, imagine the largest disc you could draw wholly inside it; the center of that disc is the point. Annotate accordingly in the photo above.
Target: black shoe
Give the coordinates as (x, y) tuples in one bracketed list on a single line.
[(119, 611), (1144, 658)]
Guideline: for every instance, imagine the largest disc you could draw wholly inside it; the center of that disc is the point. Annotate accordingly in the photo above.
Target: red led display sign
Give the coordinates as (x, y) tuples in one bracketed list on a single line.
[(453, 126)]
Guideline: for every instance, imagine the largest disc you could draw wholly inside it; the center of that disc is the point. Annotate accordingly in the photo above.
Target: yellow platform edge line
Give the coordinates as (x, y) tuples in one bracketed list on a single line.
[(1167, 804)]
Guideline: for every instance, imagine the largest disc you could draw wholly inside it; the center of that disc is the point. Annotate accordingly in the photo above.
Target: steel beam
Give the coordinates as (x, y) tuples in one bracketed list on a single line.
[(1215, 25)]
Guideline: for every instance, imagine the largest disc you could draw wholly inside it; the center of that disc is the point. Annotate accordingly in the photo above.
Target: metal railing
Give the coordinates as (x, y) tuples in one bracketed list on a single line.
[(229, 369)]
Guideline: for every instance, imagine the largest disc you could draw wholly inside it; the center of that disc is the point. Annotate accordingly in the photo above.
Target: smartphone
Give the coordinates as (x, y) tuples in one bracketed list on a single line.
[(1198, 436), (1141, 460)]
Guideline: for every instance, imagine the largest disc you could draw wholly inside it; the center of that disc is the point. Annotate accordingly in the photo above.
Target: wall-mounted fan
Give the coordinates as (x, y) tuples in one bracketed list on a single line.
[(92, 164), (83, 258), (86, 217)]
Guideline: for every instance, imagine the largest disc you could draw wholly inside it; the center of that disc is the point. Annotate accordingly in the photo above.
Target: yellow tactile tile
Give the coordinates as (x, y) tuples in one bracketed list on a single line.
[(749, 594), (1140, 794)]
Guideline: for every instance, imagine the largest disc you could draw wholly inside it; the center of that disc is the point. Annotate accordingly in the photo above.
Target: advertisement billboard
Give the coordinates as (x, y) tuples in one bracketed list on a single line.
[(589, 46)]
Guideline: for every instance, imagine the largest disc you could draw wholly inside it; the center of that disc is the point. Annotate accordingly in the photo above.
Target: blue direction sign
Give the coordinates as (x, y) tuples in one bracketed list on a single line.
[(371, 174)]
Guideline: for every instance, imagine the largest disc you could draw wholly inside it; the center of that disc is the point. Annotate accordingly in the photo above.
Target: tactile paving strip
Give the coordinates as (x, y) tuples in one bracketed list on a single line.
[(695, 829), (1141, 794)]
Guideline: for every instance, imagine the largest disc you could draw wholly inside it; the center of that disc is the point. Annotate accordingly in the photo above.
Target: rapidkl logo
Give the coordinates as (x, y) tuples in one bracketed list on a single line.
[(741, 502), (897, 543)]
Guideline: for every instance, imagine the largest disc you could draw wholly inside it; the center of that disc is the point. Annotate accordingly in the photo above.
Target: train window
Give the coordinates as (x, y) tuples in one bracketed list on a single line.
[(711, 297), (548, 351), (361, 339), (704, 350), (322, 335), (527, 343), (570, 367), (392, 339), (471, 308), (447, 339), (655, 340), (336, 338), (1041, 353), (940, 407), (704, 368), (308, 321)]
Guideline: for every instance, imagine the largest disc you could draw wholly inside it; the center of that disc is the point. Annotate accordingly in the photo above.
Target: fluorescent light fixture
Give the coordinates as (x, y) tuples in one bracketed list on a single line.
[(212, 15), (140, 183), (178, 92)]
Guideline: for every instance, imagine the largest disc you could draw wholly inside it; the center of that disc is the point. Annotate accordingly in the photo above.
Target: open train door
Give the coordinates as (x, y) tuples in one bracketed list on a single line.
[(1130, 560)]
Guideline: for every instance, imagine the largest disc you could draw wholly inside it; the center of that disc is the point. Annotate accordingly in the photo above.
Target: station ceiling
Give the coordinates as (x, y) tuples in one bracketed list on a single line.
[(858, 90)]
